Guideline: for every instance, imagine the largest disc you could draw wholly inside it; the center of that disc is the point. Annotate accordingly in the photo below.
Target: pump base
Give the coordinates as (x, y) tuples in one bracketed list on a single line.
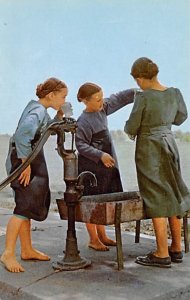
[(71, 266)]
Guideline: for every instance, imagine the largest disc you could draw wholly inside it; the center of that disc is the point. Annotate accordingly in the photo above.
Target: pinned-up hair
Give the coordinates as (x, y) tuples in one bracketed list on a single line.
[(50, 85), (144, 67), (87, 90)]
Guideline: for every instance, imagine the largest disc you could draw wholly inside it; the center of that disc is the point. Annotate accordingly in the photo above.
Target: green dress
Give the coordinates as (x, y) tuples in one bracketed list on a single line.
[(157, 159)]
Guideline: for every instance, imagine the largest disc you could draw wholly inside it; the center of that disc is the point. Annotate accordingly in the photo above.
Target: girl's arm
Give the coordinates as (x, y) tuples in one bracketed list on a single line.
[(83, 138), (119, 100), (181, 114), (134, 121), (23, 136), (25, 133)]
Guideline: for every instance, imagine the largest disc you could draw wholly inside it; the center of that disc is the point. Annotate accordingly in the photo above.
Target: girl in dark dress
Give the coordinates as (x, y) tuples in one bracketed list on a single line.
[(96, 151), (31, 189)]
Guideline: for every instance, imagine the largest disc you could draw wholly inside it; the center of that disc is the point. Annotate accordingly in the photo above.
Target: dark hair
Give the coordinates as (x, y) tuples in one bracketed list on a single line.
[(50, 85), (144, 67), (87, 90)]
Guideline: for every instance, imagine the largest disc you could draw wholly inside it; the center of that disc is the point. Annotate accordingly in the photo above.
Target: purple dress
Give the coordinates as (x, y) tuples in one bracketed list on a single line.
[(93, 139)]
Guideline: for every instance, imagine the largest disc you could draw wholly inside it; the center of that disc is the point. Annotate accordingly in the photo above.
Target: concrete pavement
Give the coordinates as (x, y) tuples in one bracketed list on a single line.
[(101, 280)]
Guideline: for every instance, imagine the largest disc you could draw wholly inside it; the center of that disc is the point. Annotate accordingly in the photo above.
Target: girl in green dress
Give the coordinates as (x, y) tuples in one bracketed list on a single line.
[(165, 195)]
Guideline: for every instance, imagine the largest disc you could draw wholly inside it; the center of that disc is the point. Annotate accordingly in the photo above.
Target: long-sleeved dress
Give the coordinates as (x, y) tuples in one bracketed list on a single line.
[(33, 200), (157, 159), (93, 139)]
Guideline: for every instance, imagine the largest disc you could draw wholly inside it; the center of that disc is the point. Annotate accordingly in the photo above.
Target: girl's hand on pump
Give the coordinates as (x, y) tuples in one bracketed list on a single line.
[(25, 175), (60, 114), (108, 160)]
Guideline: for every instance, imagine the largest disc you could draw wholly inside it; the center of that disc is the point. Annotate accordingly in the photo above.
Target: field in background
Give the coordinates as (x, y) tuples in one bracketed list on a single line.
[(125, 150)]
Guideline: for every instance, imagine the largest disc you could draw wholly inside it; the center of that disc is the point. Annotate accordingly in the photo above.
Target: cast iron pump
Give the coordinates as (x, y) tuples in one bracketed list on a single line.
[(73, 192)]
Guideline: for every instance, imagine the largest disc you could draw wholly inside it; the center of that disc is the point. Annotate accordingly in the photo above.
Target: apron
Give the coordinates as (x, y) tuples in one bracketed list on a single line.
[(32, 201), (108, 179)]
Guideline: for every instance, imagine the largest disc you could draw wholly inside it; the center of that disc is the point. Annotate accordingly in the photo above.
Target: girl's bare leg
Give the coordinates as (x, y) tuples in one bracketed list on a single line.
[(8, 257), (175, 228), (160, 228), (95, 243), (27, 251), (103, 237)]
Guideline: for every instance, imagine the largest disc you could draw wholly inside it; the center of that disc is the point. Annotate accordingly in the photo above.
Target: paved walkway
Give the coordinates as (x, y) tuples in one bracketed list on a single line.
[(101, 280)]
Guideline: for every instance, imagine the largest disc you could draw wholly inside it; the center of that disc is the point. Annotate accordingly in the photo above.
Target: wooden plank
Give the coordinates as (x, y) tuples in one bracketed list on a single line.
[(118, 208)]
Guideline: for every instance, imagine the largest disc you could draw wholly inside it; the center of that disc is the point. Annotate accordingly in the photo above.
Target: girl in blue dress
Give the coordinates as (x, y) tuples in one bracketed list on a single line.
[(31, 189)]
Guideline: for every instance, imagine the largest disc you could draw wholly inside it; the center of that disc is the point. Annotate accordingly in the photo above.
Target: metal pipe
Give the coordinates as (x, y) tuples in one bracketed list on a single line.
[(92, 177)]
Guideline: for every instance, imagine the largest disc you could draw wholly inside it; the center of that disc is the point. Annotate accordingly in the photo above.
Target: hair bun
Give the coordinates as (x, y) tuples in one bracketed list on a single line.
[(38, 90), (144, 67), (50, 85)]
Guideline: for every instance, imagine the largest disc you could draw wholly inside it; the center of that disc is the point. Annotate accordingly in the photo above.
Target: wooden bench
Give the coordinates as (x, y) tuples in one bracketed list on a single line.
[(113, 209)]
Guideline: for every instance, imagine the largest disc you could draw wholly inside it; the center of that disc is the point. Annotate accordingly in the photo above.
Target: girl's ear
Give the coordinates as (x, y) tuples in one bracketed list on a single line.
[(50, 99), (84, 101), (50, 95), (139, 81)]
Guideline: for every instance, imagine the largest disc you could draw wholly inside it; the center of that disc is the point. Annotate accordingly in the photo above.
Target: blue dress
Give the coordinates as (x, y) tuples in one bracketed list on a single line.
[(32, 201), (93, 139)]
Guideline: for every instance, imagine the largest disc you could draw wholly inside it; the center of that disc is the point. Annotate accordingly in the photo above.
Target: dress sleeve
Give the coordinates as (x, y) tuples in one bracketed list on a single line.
[(134, 121), (83, 138), (181, 114), (119, 100), (25, 134)]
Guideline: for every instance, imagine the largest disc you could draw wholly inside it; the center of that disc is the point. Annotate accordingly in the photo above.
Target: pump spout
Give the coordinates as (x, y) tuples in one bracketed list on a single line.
[(92, 177)]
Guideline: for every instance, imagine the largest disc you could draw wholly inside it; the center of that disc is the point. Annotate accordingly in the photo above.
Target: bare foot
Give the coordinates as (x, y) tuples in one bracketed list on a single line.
[(33, 254), (98, 246), (10, 263), (108, 242)]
